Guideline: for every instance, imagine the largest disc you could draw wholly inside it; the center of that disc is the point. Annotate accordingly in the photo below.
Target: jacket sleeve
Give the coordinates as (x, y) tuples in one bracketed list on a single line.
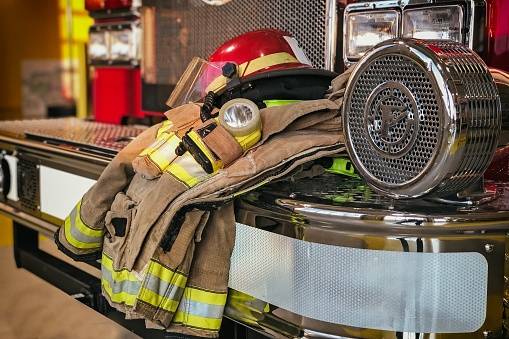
[(81, 235)]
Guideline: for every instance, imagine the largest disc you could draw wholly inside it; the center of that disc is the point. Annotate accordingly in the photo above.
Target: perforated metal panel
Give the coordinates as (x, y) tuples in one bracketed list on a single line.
[(28, 185), (176, 31), (421, 117), (382, 84), (96, 137)]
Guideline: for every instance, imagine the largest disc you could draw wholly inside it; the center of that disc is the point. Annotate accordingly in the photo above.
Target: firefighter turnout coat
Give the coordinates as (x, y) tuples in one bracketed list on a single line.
[(164, 229)]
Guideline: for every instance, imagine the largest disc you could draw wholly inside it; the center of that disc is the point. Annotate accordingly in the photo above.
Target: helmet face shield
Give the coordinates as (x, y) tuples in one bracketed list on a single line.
[(259, 65), (199, 78)]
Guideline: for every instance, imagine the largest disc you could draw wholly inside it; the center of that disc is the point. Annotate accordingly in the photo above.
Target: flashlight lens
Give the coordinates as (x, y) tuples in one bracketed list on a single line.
[(238, 115)]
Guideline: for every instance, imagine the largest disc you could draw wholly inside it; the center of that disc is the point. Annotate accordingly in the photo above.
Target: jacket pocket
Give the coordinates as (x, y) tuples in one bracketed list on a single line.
[(118, 222)]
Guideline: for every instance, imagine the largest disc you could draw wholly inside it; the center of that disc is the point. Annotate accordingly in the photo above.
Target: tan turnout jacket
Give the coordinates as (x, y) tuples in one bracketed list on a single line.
[(166, 245)]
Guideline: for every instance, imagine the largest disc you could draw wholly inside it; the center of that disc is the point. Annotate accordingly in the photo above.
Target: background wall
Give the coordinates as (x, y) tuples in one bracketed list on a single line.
[(29, 29), (39, 30)]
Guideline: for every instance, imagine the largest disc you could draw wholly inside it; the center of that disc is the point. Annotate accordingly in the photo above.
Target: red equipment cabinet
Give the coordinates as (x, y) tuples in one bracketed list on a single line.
[(116, 94)]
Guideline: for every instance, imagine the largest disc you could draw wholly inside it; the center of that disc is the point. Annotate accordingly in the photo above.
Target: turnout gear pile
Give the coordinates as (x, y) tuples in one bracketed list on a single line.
[(164, 228)]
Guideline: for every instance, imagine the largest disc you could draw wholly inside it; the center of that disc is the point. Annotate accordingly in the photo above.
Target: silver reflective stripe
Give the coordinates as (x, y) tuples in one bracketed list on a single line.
[(156, 144), (385, 290), (192, 167), (162, 288), (80, 236), (117, 287), (168, 150), (201, 309)]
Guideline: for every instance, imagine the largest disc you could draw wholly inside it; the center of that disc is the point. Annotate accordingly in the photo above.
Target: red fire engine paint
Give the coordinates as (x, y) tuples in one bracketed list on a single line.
[(116, 94), (497, 34)]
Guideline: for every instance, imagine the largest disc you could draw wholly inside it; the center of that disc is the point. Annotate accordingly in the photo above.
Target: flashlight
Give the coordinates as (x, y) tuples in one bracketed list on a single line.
[(240, 118)]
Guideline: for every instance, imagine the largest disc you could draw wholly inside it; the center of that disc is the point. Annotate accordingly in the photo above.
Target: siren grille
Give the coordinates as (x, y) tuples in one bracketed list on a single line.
[(421, 117)]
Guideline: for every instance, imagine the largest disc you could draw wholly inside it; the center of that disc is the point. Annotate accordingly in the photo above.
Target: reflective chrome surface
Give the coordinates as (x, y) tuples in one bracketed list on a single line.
[(67, 145), (421, 117), (474, 14), (73, 134), (341, 211), (331, 28)]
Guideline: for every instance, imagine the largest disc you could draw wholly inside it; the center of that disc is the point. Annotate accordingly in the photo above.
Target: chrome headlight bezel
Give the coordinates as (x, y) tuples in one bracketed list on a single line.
[(470, 35), (391, 19), (127, 53), (436, 14)]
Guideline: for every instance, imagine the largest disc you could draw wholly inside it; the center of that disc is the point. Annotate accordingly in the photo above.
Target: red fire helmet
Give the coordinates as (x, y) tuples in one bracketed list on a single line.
[(263, 50), (265, 64)]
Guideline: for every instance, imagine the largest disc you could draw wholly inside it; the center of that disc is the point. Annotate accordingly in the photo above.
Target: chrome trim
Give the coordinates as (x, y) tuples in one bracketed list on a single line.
[(39, 225), (39, 147), (447, 156), (309, 334), (331, 28), (382, 224), (475, 9), (362, 6), (477, 30)]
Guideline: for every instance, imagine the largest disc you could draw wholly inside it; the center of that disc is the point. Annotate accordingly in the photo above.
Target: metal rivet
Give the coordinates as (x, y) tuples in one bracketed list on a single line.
[(489, 247)]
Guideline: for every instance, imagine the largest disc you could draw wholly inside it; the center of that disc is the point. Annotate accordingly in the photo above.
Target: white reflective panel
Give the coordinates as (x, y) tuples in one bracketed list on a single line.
[(61, 191), (433, 23), (384, 290)]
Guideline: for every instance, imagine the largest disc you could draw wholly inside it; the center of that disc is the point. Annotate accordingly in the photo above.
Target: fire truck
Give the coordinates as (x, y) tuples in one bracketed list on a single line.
[(409, 241)]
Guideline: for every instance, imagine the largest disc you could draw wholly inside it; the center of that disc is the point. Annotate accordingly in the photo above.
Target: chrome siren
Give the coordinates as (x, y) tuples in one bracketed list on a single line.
[(421, 118)]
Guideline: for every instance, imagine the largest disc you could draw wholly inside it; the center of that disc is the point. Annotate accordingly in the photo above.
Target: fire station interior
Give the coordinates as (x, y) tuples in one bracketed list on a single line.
[(34, 32), (249, 169)]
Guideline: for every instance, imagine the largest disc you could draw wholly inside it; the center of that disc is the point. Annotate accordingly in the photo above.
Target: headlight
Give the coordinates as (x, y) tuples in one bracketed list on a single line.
[(433, 23), (367, 23), (114, 43), (98, 45), (121, 44), (365, 30)]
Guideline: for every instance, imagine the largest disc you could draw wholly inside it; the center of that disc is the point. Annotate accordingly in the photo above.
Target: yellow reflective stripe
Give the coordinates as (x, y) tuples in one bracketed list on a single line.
[(158, 159), (164, 128), (78, 244), (80, 235), (80, 225), (167, 275), (152, 147), (207, 297), (266, 61), (121, 286), (196, 321), (188, 171), (121, 275), (162, 287), (201, 309), (162, 152), (118, 298), (165, 154), (157, 300)]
